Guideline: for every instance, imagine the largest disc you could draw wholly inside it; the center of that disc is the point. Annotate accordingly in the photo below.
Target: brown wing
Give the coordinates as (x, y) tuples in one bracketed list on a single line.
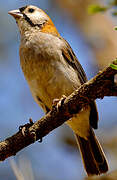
[(72, 60)]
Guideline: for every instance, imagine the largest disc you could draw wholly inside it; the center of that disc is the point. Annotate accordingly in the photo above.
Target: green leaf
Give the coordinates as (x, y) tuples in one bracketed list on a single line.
[(114, 65), (92, 9), (115, 61), (115, 28)]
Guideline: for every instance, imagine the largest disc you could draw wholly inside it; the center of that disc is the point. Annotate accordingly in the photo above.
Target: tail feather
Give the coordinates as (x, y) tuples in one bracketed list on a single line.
[(92, 154)]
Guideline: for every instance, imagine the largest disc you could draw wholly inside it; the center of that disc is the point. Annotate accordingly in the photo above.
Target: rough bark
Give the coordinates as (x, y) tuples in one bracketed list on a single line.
[(98, 87)]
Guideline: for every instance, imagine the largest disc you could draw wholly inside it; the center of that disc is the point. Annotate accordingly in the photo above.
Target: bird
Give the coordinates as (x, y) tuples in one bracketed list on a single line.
[(51, 70)]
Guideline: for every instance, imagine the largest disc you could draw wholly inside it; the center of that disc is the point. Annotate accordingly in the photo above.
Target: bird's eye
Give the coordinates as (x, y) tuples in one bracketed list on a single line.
[(31, 10)]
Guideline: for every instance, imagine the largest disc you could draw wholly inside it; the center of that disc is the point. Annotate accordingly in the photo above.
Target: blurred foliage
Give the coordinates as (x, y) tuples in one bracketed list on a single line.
[(96, 8), (92, 9), (22, 169)]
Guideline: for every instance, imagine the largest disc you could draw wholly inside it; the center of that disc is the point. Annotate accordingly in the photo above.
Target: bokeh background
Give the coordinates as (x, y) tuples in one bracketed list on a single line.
[(94, 41)]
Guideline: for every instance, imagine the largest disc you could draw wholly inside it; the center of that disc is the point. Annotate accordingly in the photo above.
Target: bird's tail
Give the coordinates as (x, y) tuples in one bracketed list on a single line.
[(92, 154)]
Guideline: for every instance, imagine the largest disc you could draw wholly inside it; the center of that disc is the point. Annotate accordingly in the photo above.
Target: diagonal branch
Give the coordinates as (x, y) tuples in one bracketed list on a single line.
[(98, 87)]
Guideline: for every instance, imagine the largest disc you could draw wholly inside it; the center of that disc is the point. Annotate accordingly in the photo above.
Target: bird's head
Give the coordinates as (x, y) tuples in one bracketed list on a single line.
[(33, 18)]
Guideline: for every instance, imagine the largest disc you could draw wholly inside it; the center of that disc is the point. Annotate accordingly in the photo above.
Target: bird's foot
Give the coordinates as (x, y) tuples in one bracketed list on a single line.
[(24, 128), (58, 102)]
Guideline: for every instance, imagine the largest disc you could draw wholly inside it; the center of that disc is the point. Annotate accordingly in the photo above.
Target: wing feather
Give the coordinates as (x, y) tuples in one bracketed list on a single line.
[(72, 60)]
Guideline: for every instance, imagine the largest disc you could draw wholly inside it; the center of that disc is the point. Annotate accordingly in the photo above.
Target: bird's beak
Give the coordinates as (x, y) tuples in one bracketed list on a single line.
[(16, 13)]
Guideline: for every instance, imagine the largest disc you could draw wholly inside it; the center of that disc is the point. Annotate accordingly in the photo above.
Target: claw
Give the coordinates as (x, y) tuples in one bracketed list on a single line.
[(61, 101), (31, 121), (24, 128), (58, 102), (55, 102), (40, 140)]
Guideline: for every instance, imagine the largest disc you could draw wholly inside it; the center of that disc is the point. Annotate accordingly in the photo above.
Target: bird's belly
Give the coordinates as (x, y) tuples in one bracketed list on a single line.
[(80, 123), (54, 83)]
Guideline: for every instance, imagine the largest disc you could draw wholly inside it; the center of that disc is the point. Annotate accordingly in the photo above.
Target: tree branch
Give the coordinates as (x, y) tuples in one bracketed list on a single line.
[(98, 87)]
